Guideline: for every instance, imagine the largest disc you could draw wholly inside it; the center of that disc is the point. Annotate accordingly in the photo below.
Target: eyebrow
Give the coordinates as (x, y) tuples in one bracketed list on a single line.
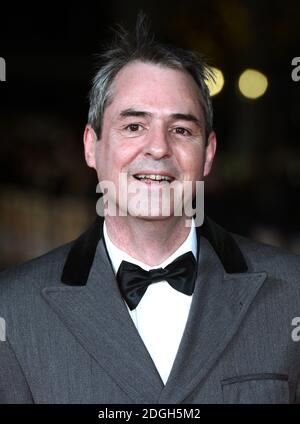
[(182, 116), (187, 117), (132, 112)]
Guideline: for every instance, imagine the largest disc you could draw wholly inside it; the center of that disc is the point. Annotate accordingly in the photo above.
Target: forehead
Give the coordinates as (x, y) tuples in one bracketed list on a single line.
[(156, 87)]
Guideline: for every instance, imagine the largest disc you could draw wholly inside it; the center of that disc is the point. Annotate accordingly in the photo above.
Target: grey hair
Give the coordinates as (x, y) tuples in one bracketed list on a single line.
[(141, 46)]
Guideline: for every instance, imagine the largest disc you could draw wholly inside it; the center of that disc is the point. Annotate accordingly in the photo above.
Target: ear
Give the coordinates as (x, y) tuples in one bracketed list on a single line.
[(90, 140), (210, 151)]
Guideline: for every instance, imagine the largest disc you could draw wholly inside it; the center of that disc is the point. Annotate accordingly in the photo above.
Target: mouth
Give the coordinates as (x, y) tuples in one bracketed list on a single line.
[(154, 178)]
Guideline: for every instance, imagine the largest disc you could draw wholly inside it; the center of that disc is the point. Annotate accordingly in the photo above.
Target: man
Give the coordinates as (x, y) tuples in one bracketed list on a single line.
[(147, 307)]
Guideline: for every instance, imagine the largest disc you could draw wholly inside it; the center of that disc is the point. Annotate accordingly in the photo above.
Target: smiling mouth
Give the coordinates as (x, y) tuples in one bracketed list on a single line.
[(153, 178)]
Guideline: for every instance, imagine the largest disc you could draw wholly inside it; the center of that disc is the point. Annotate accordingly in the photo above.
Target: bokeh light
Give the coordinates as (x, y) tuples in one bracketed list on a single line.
[(215, 85), (252, 84)]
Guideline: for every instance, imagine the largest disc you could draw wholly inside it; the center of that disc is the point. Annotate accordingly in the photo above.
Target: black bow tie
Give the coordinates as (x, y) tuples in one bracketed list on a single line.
[(133, 281)]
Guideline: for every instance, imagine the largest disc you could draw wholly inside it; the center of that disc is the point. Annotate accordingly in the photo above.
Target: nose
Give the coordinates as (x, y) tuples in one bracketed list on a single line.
[(157, 143)]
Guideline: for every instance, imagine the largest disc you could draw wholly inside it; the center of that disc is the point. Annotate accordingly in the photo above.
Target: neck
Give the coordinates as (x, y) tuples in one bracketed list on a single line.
[(149, 241)]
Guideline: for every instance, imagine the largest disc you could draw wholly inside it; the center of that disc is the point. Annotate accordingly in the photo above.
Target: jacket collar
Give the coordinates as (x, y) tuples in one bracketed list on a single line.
[(80, 258)]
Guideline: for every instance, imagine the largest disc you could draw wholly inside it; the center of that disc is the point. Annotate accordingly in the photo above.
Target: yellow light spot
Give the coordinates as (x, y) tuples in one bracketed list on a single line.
[(215, 85), (253, 84)]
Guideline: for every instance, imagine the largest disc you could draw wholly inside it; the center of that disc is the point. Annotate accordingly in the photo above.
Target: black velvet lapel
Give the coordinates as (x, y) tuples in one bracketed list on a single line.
[(81, 255), (224, 245)]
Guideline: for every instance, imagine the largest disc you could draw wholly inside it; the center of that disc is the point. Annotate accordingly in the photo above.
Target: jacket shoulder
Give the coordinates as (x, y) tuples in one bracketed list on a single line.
[(263, 257), (43, 270)]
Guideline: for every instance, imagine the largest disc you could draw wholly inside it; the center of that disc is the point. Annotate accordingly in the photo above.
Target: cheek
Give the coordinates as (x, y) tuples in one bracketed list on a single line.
[(103, 161), (113, 156), (191, 161)]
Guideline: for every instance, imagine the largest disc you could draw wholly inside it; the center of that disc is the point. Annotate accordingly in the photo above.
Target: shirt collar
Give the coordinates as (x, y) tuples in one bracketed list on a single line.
[(117, 255)]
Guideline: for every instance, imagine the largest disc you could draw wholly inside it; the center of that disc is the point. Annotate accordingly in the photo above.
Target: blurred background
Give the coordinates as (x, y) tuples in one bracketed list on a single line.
[(48, 194)]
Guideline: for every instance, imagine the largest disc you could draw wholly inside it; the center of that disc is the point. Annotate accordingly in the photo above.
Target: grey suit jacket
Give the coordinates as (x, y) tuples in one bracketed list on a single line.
[(70, 339)]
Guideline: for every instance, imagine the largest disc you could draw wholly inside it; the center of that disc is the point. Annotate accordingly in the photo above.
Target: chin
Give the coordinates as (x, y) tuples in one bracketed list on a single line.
[(151, 218), (152, 214)]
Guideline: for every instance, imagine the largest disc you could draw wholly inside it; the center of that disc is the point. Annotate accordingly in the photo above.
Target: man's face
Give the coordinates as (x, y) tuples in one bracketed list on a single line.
[(154, 126)]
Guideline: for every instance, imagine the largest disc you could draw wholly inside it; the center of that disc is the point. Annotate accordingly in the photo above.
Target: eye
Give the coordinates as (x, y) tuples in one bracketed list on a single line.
[(133, 127), (182, 131)]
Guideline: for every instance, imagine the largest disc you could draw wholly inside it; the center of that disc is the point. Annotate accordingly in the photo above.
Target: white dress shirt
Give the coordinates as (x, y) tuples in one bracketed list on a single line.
[(161, 315)]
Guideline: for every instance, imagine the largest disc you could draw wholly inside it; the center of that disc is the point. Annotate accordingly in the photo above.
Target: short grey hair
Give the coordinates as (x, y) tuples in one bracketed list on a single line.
[(142, 46)]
